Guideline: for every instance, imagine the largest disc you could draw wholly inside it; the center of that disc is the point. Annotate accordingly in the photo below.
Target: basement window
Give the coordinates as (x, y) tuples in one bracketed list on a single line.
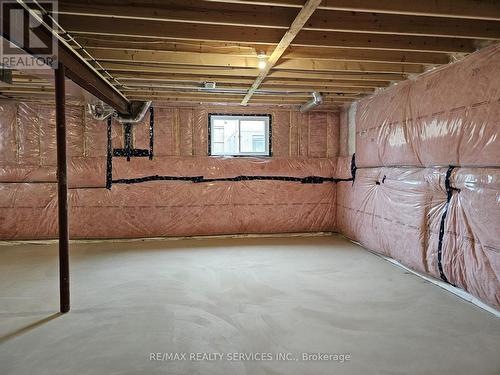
[(239, 135)]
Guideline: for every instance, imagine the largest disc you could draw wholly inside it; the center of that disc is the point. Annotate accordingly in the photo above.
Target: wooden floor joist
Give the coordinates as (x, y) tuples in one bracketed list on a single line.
[(231, 100), (341, 48), (200, 60), (75, 68), (466, 9), (251, 50), (306, 11), (158, 71), (264, 16), (265, 86), (130, 45), (100, 26), (177, 78), (278, 95)]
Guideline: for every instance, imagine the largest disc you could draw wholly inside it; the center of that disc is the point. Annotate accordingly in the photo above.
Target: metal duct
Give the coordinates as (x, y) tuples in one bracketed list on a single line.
[(101, 112), (316, 100), (136, 114)]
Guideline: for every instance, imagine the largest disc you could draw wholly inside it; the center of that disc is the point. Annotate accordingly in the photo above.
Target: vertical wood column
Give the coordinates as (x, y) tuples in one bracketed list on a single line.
[(62, 190)]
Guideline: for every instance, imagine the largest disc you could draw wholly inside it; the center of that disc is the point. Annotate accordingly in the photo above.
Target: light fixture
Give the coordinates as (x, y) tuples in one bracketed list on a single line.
[(262, 60)]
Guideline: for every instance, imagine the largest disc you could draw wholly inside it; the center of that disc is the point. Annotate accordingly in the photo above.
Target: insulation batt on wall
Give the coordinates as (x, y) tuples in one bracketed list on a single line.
[(407, 137), (303, 145), (426, 190)]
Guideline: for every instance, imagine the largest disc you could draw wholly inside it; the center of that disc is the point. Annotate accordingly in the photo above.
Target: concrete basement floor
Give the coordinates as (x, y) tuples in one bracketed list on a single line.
[(271, 295)]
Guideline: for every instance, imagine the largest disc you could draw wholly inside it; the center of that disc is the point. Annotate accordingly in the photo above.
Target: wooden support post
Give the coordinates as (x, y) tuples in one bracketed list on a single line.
[(62, 190)]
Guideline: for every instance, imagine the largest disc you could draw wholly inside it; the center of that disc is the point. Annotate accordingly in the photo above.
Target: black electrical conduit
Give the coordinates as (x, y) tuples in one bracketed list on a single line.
[(129, 152), (449, 194), (109, 158), (200, 179), (303, 180)]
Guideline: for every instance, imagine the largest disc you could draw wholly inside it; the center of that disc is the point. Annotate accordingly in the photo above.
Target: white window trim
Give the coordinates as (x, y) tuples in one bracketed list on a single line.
[(265, 118)]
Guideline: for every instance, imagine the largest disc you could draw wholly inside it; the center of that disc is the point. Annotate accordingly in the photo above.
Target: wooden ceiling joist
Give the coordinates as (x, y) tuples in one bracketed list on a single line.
[(118, 68), (352, 66), (464, 9), (219, 60), (75, 68), (175, 95), (268, 87), (305, 12), (203, 12), (167, 49), (158, 44), (226, 99), (324, 53), (100, 26), (349, 54), (251, 50), (304, 95), (27, 90), (175, 78)]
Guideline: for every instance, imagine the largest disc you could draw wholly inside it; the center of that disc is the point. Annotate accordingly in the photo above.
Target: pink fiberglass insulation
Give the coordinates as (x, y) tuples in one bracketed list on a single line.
[(154, 209), (28, 206), (184, 209), (398, 212), (428, 158), (471, 251), (406, 201), (448, 116)]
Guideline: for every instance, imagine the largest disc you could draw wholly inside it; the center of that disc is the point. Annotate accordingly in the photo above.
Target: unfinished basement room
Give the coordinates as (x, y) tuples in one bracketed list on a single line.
[(250, 187)]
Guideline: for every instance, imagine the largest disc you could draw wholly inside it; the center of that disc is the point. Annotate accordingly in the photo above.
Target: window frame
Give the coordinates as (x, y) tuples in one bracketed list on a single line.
[(267, 117)]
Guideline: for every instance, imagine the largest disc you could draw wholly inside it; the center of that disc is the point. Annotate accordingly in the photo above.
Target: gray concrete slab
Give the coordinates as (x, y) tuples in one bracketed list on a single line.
[(234, 297)]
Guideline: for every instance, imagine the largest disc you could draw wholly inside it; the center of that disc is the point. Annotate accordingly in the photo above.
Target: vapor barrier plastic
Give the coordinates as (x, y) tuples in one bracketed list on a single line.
[(449, 116), (398, 211), (406, 201), (427, 185), (28, 208)]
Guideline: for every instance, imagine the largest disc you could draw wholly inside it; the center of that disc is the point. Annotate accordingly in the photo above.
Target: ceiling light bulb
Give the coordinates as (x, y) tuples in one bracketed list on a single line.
[(262, 60)]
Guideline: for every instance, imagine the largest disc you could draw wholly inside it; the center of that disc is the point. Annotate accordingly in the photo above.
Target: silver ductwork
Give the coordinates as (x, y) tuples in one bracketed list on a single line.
[(136, 116), (101, 112), (316, 100)]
